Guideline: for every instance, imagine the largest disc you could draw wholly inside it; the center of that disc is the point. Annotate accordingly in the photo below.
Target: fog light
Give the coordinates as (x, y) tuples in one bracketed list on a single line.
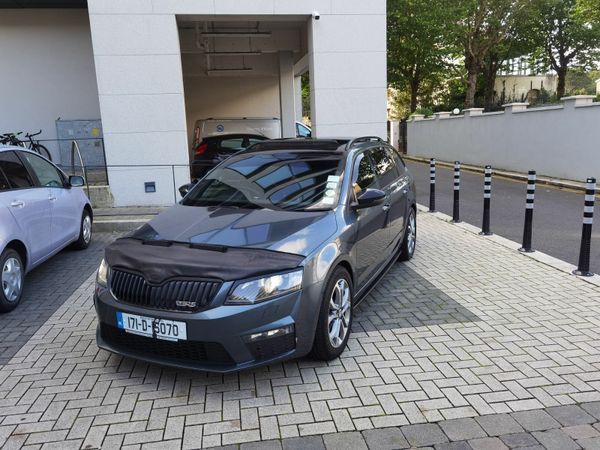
[(277, 332)]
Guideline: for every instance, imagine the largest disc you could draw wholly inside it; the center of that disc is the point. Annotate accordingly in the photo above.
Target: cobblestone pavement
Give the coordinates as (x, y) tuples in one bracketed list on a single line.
[(467, 329), (46, 288)]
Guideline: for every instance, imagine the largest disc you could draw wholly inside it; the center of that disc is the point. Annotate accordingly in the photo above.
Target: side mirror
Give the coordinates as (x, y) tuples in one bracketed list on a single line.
[(369, 198), (183, 190), (76, 181)]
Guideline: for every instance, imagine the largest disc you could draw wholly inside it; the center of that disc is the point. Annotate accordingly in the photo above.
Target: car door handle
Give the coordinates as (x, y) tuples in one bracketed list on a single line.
[(17, 204), (52, 198)]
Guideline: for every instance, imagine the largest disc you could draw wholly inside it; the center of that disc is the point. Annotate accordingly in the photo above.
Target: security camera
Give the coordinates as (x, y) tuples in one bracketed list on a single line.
[(316, 15)]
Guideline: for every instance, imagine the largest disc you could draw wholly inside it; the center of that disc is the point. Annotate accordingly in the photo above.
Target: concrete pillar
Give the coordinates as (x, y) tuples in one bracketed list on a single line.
[(298, 98), (140, 88), (577, 100), (469, 112), (442, 115), (287, 94), (513, 107), (347, 59)]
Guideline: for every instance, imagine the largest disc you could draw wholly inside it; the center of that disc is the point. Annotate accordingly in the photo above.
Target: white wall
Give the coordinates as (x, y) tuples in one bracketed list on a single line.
[(47, 70), (560, 141), (143, 107)]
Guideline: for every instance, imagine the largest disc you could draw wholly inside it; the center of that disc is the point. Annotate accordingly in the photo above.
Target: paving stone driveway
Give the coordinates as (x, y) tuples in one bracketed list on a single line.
[(46, 288), (467, 329)]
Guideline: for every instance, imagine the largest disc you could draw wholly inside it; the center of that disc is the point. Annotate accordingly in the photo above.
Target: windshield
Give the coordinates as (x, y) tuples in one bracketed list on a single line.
[(284, 180)]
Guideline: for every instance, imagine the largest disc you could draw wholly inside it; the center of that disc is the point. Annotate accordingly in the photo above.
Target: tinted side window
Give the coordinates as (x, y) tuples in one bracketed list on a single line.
[(47, 174), (364, 176), (384, 166), (233, 143), (4, 186), (15, 171), (252, 141), (302, 131)]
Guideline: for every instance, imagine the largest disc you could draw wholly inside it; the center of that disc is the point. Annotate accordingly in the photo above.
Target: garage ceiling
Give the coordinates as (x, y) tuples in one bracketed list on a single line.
[(43, 3)]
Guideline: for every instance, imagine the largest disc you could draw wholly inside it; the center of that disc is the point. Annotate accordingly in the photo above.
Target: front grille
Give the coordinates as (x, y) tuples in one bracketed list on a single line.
[(181, 351), (269, 348), (135, 290)]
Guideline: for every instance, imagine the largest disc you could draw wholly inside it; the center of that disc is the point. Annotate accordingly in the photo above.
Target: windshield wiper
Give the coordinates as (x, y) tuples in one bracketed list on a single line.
[(197, 246)]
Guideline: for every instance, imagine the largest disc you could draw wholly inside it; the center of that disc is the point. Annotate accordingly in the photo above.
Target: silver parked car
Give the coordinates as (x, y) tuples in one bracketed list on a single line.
[(42, 211)]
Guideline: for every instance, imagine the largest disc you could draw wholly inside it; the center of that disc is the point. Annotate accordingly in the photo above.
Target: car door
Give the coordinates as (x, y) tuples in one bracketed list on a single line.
[(400, 204), (395, 187), (64, 208), (29, 205), (372, 234)]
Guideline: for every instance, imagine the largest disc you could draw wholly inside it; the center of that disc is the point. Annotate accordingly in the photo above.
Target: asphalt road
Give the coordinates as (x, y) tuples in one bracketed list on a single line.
[(557, 217)]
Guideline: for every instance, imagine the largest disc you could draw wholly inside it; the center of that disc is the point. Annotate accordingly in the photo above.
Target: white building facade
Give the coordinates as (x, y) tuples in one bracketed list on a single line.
[(150, 68)]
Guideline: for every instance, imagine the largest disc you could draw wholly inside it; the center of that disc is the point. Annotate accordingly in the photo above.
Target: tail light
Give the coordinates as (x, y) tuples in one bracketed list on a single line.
[(201, 149)]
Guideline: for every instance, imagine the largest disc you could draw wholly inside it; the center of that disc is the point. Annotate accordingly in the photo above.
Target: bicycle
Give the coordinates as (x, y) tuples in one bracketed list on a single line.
[(37, 147), (11, 139), (34, 145)]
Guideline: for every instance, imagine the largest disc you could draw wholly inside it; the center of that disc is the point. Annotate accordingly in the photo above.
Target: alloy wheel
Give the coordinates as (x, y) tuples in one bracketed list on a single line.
[(411, 233), (339, 313), (86, 228), (12, 279)]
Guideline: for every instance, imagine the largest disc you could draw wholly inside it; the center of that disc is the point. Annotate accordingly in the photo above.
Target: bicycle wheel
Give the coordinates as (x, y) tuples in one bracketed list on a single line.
[(39, 148)]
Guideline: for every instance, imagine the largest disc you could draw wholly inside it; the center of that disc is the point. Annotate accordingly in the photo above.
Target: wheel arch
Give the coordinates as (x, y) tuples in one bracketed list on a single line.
[(87, 207), (19, 247)]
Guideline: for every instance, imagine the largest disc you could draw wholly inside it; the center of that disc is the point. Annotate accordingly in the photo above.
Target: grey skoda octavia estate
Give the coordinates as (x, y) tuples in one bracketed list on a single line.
[(263, 260)]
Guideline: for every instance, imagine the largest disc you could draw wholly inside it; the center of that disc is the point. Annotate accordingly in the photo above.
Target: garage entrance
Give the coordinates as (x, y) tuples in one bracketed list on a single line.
[(243, 67)]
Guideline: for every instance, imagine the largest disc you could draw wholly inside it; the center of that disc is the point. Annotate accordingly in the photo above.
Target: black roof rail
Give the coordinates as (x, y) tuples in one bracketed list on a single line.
[(362, 139)]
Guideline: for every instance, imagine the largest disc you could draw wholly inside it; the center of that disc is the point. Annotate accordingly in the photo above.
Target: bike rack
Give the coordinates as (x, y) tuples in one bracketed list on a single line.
[(74, 149)]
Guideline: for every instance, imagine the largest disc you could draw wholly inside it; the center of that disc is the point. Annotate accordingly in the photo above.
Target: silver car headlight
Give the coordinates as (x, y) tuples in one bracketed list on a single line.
[(102, 274), (259, 290)]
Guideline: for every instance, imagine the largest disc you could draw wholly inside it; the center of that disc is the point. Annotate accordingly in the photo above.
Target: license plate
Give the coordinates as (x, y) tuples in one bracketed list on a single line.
[(168, 330)]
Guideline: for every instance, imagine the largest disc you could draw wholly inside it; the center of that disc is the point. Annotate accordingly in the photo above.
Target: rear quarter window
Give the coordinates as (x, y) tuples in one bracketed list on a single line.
[(17, 175)]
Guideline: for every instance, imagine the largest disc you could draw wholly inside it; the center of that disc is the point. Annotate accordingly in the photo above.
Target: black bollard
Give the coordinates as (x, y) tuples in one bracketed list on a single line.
[(432, 185), (583, 267), (487, 196), (528, 227), (455, 208)]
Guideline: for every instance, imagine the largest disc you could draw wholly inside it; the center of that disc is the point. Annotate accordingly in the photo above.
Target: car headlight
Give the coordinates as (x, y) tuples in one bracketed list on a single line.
[(102, 275), (256, 291)]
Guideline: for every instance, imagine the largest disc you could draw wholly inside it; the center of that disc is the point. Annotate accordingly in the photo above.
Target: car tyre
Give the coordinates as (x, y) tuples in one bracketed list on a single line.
[(85, 231), (12, 273), (409, 242), (335, 317)]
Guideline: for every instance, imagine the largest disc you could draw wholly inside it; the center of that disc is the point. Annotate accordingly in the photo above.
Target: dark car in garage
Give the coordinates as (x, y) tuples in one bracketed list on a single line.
[(263, 260), (214, 149)]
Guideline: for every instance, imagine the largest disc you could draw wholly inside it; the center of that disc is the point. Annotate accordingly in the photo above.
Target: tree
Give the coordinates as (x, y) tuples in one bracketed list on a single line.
[(519, 40), (482, 26), (571, 35), (417, 45)]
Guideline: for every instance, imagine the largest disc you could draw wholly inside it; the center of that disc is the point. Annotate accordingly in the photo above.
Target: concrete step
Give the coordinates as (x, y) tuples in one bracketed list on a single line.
[(109, 220), (100, 195)]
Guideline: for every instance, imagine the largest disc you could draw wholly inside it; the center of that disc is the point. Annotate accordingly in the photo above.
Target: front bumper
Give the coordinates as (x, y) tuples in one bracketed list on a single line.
[(216, 338)]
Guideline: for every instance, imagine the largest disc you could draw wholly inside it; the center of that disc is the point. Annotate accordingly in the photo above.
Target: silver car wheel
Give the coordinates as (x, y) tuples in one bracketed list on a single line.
[(339, 313), (12, 279), (86, 228), (411, 233)]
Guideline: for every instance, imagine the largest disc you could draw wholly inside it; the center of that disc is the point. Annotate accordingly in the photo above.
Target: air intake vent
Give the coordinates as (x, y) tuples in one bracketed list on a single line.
[(173, 295)]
